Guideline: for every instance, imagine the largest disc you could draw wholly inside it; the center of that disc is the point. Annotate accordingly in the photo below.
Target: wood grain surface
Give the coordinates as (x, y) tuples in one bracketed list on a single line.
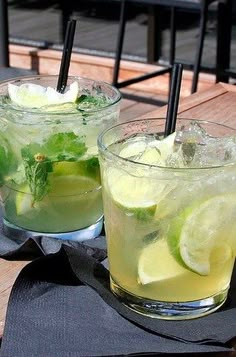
[(8, 273)]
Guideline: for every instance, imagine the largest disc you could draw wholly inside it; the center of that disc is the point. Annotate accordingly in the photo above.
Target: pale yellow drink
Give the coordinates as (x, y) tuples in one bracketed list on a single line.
[(170, 231)]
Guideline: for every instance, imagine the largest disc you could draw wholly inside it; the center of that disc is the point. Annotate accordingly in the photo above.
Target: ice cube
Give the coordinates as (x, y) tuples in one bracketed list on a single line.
[(187, 140), (196, 148), (132, 149), (216, 152), (157, 151)]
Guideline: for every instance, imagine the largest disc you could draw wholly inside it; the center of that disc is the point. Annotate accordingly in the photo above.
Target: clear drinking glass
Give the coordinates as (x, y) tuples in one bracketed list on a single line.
[(170, 231), (49, 171)]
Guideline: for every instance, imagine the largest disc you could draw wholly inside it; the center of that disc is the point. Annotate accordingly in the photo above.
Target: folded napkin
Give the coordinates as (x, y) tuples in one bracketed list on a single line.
[(61, 305)]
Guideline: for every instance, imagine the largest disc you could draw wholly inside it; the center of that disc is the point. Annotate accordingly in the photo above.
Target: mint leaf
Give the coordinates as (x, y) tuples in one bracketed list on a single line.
[(36, 172), (92, 165), (65, 147), (39, 158), (8, 160), (81, 99), (89, 102), (59, 147)]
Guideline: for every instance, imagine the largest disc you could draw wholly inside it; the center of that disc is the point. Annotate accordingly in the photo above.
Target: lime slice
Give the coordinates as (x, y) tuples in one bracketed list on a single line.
[(149, 152), (69, 186), (130, 191), (157, 151), (157, 264), (135, 195), (206, 230), (31, 95), (89, 168)]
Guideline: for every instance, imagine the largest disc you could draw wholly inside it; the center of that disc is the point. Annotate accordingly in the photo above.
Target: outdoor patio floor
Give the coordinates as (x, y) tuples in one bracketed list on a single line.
[(38, 23)]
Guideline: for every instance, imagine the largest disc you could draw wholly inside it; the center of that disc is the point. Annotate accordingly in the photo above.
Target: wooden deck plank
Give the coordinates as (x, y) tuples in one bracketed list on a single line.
[(195, 100), (9, 271), (135, 111), (223, 111)]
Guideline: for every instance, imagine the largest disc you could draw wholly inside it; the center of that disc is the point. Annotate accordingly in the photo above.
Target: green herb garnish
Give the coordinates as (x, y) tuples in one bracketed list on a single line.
[(36, 172), (7, 159), (39, 158)]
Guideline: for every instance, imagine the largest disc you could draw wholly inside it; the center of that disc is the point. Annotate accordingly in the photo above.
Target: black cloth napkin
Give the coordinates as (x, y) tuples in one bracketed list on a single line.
[(61, 305)]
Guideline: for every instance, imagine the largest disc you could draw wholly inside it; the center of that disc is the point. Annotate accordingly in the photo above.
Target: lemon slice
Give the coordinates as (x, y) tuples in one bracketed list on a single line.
[(31, 95), (206, 230), (70, 187), (157, 264)]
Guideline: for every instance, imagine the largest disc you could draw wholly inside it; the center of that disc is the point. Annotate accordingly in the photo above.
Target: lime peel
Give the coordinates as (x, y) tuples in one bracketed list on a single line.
[(205, 230)]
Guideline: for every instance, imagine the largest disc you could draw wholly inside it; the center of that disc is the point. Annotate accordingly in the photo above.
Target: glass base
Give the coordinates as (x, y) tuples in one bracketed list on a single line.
[(21, 234), (169, 310)]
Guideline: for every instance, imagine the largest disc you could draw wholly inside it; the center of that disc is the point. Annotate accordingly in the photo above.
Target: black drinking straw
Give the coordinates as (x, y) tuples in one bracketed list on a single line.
[(173, 100), (66, 55)]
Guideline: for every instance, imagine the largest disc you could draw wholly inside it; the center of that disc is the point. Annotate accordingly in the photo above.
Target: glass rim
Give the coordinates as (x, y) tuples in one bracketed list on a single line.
[(37, 111), (104, 149)]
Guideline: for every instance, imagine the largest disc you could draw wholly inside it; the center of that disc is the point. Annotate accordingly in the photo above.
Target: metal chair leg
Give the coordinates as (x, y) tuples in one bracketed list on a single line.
[(224, 33), (4, 42), (198, 57), (120, 41)]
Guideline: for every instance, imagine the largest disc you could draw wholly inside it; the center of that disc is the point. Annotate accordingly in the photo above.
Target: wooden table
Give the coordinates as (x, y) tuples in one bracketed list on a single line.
[(216, 104)]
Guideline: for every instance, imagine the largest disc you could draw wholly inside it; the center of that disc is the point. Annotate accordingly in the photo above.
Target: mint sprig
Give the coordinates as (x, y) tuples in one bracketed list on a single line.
[(38, 159), (36, 173)]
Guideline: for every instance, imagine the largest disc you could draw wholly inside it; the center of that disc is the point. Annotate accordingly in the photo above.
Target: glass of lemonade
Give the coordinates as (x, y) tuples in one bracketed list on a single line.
[(170, 208), (49, 170)]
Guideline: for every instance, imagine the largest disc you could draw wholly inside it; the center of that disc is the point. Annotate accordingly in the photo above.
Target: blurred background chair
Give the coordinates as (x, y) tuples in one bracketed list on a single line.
[(6, 71), (98, 21), (223, 8)]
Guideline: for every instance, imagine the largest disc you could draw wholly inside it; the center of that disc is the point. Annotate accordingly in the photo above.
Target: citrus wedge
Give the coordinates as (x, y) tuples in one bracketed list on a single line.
[(135, 195), (157, 151), (31, 95), (207, 230), (156, 264)]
